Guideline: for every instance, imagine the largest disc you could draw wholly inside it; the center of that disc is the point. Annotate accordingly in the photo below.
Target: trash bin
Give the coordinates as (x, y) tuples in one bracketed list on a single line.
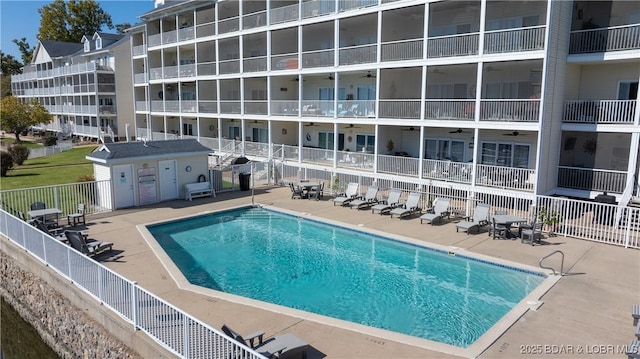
[(244, 181)]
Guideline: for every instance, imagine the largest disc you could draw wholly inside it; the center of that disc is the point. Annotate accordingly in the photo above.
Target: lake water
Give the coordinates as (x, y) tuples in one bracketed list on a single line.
[(19, 340)]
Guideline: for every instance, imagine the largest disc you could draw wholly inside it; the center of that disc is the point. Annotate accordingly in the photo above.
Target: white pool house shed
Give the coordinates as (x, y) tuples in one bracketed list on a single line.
[(149, 172)]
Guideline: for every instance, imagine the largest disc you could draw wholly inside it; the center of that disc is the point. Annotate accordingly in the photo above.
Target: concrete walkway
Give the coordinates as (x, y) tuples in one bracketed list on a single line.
[(586, 313)]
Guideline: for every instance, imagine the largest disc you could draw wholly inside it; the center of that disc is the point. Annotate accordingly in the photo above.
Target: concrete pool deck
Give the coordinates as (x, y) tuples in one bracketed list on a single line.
[(586, 313)]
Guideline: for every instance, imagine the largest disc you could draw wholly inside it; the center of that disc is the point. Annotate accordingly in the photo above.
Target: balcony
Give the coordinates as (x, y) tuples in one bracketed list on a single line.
[(459, 110), (189, 106), (317, 58), (284, 14), (255, 107), (155, 73), (208, 68), (186, 33), (510, 110), (230, 106), (591, 179), (358, 54), (600, 111), (401, 50), (357, 108), (204, 30), (139, 50), (317, 108), (107, 110), (615, 38), (318, 156), (170, 72), (141, 106), (452, 45), (169, 37), (256, 149), (210, 106), (521, 179), (155, 40), (256, 19), (284, 61), (254, 64), (284, 107), (345, 5), (228, 25), (188, 70), (171, 106), (317, 8), (400, 109), (157, 106), (229, 66), (140, 78), (359, 160), (514, 40), (396, 165)]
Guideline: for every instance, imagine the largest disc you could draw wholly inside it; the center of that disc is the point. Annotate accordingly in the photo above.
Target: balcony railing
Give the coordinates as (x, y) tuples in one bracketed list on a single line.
[(155, 73), (256, 149), (284, 61), (186, 33), (344, 5), (284, 14), (107, 109), (229, 66), (399, 109), (448, 171), (510, 110), (592, 179), (317, 108), (615, 38), (210, 106), (228, 25), (452, 45), (230, 106), (522, 179), (141, 106), (254, 64), (318, 156), (514, 40), (171, 72), (256, 19), (317, 58), (284, 107), (155, 40), (442, 109), (140, 78), (169, 37), (358, 54), (318, 8), (396, 165), (171, 106), (255, 107), (189, 106), (188, 70), (139, 50), (359, 160), (205, 69), (401, 50), (157, 106), (600, 111), (204, 30), (357, 108)]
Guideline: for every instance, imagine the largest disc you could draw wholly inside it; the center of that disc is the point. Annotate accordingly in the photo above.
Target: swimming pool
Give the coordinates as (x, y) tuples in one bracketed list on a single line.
[(343, 273)]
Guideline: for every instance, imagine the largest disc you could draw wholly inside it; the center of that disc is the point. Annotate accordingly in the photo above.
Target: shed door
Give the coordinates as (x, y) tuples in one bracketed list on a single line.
[(168, 180), (123, 186)]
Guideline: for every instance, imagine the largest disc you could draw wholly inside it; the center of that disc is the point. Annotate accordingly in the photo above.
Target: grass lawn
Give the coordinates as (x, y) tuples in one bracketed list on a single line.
[(28, 144), (64, 167)]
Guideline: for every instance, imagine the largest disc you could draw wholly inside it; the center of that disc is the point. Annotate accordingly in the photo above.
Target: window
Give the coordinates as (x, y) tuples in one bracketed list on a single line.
[(234, 132), (325, 140), (367, 142), (628, 90), (187, 129), (505, 154), (87, 46), (260, 135), (444, 149), (367, 92), (98, 43)]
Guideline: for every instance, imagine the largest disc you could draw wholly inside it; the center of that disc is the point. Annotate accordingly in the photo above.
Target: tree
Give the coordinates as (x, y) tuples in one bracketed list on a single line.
[(120, 28), (61, 21), (9, 65), (5, 85), (25, 49), (18, 116)]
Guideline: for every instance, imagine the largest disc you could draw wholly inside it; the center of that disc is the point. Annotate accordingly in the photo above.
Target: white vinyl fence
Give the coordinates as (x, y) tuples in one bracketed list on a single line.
[(50, 150), (172, 328)]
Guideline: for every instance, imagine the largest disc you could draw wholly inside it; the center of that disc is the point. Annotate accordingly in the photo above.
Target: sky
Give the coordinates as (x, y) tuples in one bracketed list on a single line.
[(20, 18)]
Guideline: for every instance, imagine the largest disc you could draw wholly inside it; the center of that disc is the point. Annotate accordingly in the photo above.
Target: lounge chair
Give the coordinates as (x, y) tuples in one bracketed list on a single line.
[(635, 314), (368, 200), (79, 242), (56, 232), (349, 195), (281, 346), (478, 220), (440, 210), (392, 202), (410, 207)]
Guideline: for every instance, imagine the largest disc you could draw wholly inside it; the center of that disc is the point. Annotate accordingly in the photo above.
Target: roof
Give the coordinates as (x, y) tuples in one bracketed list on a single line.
[(121, 151), (60, 48), (170, 6)]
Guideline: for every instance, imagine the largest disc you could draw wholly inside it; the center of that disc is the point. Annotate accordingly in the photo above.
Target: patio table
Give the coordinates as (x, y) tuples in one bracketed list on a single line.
[(43, 214), (508, 220)]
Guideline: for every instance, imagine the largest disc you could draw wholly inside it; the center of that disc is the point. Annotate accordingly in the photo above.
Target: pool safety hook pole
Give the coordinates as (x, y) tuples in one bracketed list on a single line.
[(252, 185)]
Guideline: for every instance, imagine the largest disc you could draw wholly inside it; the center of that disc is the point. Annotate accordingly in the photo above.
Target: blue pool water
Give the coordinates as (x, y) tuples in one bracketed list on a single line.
[(342, 273)]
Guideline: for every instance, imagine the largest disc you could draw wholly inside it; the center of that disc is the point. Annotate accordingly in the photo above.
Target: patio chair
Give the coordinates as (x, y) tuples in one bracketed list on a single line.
[(56, 232), (37, 205), (478, 220), (281, 346), (316, 192), (296, 191), (79, 242), (531, 234), (390, 203), (440, 210), (23, 218), (410, 207), (369, 199), (498, 230), (349, 195), (635, 314), (78, 217)]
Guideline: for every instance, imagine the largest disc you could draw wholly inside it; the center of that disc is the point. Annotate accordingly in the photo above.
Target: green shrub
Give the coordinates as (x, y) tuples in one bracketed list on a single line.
[(50, 140), (19, 153), (6, 163)]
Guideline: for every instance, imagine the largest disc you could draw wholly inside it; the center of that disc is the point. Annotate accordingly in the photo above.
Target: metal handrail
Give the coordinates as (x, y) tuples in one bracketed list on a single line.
[(549, 255)]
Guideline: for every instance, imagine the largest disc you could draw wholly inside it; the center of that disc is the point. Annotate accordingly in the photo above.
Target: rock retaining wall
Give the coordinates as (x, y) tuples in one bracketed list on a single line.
[(64, 327)]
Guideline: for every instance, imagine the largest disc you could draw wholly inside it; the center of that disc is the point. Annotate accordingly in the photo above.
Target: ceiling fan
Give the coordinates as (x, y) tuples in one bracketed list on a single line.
[(330, 77), (351, 125), (297, 79), (457, 131), (492, 69), (411, 129), (310, 124), (369, 75), (437, 71), (514, 133)]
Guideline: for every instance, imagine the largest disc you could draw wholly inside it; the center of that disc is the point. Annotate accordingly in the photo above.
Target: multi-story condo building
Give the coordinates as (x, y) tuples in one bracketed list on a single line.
[(78, 82)]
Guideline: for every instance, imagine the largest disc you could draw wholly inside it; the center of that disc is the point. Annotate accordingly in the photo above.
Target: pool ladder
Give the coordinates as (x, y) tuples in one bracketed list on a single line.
[(549, 255)]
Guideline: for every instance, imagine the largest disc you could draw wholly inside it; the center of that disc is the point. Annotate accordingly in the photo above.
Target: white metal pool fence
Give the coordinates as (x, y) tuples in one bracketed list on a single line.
[(170, 327)]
